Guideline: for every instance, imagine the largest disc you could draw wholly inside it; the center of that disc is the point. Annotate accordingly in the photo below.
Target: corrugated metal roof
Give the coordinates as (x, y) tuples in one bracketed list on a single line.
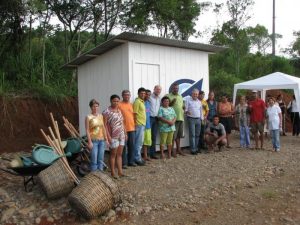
[(141, 38)]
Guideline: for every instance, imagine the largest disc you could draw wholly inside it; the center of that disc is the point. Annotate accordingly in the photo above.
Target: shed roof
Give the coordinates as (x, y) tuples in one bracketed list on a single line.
[(141, 38)]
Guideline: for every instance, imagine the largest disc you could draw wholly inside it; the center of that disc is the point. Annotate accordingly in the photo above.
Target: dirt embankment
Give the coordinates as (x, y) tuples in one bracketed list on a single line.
[(23, 117)]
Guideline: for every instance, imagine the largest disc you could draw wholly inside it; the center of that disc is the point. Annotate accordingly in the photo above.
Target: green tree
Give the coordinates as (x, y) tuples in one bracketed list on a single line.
[(259, 38), (171, 18)]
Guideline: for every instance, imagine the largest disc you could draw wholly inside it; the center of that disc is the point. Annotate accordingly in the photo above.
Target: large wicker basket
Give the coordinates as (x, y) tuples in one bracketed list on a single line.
[(96, 194), (56, 181)]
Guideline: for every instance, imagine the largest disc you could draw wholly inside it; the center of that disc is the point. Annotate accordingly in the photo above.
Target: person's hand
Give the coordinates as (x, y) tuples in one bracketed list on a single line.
[(215, 135), (90, 145), (126, 137), (109, 140), (107, 143)]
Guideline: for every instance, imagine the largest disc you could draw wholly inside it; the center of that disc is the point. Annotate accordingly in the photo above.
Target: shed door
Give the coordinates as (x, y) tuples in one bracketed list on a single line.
[(145, 75)]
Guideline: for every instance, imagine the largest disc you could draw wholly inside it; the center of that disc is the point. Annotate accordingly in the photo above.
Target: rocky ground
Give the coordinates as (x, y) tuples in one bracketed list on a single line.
[(230, 187)]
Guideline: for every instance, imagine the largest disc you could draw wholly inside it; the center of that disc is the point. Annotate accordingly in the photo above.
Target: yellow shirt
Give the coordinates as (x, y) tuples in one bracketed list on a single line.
[(205, 108), (96, 127), (140, 112)]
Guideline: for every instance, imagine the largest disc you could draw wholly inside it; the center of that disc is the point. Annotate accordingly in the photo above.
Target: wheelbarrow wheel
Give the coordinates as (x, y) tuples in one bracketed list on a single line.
[(83, 168)]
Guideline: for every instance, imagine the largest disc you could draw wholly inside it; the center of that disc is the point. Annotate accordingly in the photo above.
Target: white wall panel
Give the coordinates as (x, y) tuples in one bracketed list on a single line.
[(100, 78), (132, 65), (174, 64)]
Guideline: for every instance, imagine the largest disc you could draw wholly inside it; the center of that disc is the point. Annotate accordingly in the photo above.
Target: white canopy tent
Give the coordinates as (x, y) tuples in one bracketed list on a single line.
[(275, 80)]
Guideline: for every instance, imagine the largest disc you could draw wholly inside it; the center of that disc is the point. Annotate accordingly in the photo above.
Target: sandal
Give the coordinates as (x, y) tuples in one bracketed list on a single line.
[(116, 177)]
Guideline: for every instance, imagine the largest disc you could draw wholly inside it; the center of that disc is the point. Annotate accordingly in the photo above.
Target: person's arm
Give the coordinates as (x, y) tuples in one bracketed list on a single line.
[(206, 110), (208, 132), (104, 132), (135, 110), (124, 127), (232, 109), (218, 109), (106, 128), (237, 117), (87, 130), (223, 136), (186, 109), (280, 118)]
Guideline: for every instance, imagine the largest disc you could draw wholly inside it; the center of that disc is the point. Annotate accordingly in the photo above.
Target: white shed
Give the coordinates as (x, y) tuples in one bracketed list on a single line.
[(130, 61)]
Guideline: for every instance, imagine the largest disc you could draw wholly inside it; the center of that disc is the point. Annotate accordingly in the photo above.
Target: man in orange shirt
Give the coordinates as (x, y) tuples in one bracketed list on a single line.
[(127, 111)]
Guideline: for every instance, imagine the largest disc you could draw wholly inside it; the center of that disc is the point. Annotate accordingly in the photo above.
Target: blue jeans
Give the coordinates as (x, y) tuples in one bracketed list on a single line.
[(128, 151), (244, 136), (275, 138), (139, 140), (97, 155), (154, 130), (194, 132)]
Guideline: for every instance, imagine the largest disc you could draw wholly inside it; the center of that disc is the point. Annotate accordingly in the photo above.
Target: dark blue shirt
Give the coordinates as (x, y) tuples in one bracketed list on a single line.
[(148, 109)]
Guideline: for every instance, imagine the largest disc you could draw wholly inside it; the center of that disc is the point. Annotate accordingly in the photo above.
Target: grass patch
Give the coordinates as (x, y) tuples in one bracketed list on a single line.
[(269, 194)]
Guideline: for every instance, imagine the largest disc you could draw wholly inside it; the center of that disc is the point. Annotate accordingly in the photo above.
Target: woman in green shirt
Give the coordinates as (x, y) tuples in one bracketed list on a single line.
[(167, 118)]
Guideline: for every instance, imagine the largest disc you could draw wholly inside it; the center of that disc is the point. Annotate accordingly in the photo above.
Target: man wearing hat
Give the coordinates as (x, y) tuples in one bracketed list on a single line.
[(257, 108)]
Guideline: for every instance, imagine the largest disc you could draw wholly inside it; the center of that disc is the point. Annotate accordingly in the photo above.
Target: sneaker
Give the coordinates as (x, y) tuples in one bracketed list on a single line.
[(132, 164), (124, 167), (277, 150), (140, 163)]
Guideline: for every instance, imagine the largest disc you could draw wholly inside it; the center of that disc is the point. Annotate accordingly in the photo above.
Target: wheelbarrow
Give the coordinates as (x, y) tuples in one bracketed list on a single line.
[(26, 171), (30, 166)]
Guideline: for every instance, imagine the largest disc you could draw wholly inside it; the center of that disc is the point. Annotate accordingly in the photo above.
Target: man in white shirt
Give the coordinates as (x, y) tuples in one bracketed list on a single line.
[(154, 107), (193, 111)]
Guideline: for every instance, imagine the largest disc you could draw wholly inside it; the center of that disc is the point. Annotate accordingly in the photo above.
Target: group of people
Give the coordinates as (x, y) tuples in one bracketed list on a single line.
[(130, 130)]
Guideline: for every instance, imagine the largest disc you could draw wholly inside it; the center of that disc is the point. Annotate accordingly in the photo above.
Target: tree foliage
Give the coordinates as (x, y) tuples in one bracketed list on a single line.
[(171, 18), (33, 48)]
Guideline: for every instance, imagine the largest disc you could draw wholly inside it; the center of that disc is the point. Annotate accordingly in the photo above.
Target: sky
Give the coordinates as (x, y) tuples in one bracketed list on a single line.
[(287, 20)]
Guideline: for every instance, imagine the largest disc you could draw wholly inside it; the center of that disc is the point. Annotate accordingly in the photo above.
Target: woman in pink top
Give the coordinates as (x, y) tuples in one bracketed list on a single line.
[(116, 134)]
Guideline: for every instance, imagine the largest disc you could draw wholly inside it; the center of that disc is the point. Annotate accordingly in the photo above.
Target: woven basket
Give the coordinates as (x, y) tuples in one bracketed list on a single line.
[(56, 181), (96, 194)]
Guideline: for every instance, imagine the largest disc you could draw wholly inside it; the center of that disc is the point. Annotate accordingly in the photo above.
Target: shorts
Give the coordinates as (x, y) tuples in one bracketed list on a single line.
[(178, 133), (116, 143), (166, 138), (227, 123), (258, 126), (147, 137)]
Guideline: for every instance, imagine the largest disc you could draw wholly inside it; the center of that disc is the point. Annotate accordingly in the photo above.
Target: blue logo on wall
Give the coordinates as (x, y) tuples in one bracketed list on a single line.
[(186, 86)]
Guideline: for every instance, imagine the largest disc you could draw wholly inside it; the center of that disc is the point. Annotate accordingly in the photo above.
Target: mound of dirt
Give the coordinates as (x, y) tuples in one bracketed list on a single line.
[(23, 117)]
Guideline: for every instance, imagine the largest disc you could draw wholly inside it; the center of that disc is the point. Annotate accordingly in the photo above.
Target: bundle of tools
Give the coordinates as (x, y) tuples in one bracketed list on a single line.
[(54, 140)]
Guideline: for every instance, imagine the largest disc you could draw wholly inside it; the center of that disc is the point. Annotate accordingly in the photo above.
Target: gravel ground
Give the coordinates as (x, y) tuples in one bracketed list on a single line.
[(229, 187)]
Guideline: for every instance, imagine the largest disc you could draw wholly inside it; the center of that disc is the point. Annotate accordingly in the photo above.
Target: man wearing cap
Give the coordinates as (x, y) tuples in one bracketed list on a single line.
[(257, 108)]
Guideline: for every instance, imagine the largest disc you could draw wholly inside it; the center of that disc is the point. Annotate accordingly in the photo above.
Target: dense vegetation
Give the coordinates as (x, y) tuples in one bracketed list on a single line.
[(34, 46)]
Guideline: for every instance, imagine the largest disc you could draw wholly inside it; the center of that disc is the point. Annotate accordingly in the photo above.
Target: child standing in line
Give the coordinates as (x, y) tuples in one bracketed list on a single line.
[(242, 122), (275, 123)]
